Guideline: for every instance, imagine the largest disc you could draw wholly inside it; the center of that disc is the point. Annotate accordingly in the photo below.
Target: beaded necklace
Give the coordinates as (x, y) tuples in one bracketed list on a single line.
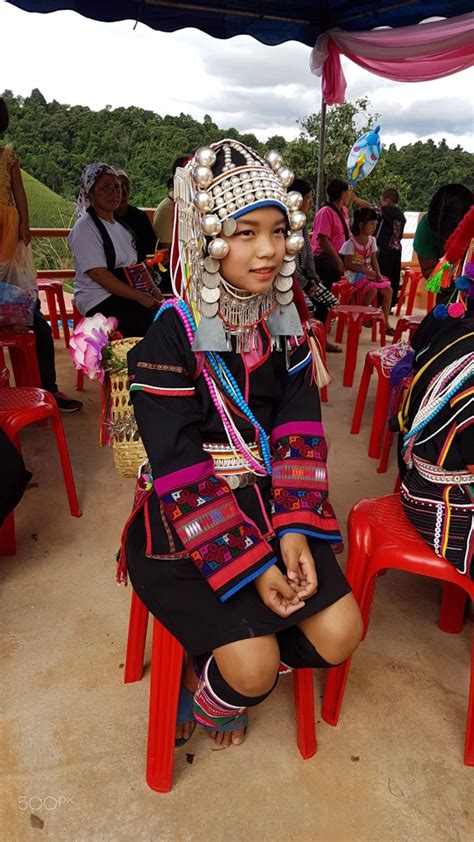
[(228, 384), (444, 387)]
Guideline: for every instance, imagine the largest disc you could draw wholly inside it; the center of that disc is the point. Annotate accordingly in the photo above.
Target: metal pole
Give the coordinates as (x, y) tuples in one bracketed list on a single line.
[(322, 139)]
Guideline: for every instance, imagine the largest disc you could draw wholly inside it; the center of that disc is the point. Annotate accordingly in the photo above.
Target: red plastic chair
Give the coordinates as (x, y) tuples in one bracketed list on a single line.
[(411, 279), (18, 408), (165, 680), (320, 334), (397, 402), (409, 323), (373, 363), (22, 350), (55, 296), (76, 318), (355, 316), (380, 538)]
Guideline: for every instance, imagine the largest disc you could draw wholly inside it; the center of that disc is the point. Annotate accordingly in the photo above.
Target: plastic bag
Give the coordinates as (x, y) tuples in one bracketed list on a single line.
[(16, 305), (19, 270)]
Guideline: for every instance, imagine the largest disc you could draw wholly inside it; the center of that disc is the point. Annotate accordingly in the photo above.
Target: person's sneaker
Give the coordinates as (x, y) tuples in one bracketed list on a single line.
[(66, 404)]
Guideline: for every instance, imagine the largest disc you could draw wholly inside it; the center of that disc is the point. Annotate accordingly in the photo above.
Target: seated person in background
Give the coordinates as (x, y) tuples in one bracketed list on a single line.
[(16, 263), (321, 299), (389, 236), (446, 209), (136, 219), (437, 467), (361, 264), (15, 477), (330, 232), (102, 247)]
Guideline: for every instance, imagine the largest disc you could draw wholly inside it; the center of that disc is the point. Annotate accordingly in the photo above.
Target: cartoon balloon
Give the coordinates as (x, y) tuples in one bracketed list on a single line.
[(363, 156)]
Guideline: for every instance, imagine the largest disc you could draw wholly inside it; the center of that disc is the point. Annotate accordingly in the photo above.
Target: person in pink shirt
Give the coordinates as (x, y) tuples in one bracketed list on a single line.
[(331, 229)]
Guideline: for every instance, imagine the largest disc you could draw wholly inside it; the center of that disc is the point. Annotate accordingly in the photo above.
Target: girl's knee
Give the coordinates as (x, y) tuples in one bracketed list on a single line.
[(250, 670)]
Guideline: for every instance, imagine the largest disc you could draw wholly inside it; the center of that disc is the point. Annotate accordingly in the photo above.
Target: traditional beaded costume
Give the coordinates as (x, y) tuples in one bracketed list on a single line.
[(226, 400)]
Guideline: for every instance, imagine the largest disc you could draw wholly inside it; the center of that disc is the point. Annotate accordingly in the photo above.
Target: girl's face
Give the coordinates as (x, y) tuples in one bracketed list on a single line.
[(257, 249), (106, 193), (368, 228)]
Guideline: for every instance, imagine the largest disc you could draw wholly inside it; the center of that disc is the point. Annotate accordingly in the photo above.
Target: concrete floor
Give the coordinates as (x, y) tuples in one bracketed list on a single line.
[(74, 737)]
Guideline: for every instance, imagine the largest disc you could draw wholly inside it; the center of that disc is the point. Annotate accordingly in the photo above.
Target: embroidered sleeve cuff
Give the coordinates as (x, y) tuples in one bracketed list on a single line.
[(226, 547)]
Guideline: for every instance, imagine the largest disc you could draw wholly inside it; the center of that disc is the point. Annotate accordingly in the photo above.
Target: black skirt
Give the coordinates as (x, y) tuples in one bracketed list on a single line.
[(180, 598)]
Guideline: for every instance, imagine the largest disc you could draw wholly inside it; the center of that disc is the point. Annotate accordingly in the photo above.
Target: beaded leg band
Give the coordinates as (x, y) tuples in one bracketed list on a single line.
[(208, 709)]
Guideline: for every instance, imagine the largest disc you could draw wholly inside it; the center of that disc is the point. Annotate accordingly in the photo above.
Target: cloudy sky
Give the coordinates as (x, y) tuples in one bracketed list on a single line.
[(239, 82)]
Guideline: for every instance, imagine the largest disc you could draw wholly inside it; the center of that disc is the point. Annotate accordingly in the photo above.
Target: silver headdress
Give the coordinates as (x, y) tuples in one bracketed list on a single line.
[(221, 183)]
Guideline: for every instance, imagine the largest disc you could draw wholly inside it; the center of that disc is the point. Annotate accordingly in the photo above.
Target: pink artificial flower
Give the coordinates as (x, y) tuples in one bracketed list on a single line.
[(88, 341)]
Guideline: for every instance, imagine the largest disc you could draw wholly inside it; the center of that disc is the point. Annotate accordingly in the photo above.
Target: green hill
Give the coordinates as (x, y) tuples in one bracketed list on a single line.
[(47, 209)]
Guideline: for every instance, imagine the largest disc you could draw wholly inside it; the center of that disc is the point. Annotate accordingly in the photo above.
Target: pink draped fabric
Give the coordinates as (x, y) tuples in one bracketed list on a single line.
[(406, 54)]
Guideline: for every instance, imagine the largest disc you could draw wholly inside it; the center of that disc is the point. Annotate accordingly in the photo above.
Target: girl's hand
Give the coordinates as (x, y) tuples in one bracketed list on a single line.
[(24, 234), (275, 592), (146, 300), (299, 562)]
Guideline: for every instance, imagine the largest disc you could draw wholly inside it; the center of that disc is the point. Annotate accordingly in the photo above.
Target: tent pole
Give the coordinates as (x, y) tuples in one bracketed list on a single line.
[(322, 140)]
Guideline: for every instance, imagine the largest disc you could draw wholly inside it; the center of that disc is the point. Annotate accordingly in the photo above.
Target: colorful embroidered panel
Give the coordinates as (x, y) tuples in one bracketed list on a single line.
[(227, 549), (300, 484)]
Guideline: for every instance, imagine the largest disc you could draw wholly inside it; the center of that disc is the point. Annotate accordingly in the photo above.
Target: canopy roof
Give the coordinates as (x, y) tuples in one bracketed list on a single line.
[(269, 21)]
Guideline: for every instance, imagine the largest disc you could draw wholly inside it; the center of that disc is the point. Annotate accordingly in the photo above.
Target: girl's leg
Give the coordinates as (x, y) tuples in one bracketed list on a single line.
[(334, 633), (242, 675), (368, 297), (386, 296)]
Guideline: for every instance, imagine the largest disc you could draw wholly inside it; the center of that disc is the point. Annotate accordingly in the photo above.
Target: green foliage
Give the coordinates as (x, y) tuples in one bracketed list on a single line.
[(48, 210), (55, 141)]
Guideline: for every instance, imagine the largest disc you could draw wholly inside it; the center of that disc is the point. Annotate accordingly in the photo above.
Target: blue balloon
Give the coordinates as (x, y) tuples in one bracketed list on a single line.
[(363, 156)]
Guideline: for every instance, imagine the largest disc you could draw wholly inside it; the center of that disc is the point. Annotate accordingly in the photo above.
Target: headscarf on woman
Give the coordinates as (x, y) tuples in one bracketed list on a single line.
[(90, 176)]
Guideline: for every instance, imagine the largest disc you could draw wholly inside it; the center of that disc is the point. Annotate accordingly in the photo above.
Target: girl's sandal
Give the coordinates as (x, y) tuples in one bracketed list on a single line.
[(185, 714)]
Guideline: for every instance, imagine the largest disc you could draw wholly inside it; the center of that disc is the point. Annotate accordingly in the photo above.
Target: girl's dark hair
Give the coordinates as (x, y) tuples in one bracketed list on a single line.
[(4, 116), (335, 189), (301, 186), (361, 217), (447, 207)]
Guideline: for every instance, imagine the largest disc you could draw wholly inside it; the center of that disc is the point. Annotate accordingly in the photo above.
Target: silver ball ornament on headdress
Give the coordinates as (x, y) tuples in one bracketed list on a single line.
[(294, 243), (297, 220), (294, 200), (218, 248), (205, 156), (274, 159), (286, 176), (203, 201), (202, 176), (211, 225)]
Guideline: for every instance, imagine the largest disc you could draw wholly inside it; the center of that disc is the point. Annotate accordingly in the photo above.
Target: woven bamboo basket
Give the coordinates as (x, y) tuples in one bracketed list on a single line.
[(129, 452)]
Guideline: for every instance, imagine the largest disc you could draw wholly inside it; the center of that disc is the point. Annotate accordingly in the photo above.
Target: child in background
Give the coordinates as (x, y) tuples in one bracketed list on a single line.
[(360, 260), (389, 235)]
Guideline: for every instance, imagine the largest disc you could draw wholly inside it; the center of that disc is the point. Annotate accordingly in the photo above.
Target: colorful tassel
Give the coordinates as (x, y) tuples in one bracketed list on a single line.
[(440, 278)]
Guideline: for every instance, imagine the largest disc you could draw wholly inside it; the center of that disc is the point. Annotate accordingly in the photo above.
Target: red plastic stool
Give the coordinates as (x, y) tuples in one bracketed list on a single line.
[(399, 396), (22, 350), (382, 402), (320, 334), (381, 537), (55, 295), (411, 279), (409, 323), (354, 315), (76, 318), (18, 408), (165, 680)]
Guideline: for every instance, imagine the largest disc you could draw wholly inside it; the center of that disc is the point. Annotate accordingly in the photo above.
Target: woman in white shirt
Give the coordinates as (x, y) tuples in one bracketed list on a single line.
[(102, 246)]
